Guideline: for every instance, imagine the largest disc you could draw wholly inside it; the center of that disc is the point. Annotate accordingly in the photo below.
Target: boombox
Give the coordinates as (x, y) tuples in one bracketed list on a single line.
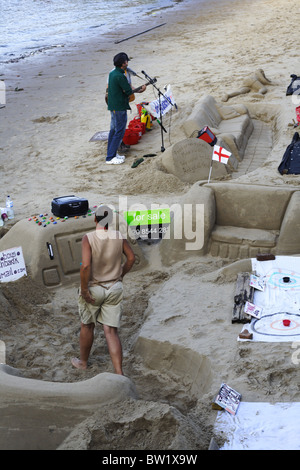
[(69, 206)]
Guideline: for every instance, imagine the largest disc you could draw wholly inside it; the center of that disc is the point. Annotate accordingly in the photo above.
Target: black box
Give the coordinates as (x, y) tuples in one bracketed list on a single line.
[(69, 206)]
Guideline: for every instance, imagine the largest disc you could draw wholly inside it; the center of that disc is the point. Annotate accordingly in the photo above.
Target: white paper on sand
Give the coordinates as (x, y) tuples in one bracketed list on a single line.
[(12, 264), (260, 426), (101, 135), (279, 301)]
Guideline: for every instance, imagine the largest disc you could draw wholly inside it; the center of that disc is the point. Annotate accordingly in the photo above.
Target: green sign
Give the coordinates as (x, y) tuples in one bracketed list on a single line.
[(147, 217)]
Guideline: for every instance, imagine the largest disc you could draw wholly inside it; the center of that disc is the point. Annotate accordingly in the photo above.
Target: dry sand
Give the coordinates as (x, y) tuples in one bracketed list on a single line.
[(45, 153)]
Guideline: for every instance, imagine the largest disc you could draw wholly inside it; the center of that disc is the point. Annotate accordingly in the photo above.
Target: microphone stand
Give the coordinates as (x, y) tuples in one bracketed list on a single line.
[(160, 94)]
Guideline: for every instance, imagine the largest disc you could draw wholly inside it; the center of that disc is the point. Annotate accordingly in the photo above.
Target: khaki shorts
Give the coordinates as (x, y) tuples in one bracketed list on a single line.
[(107, 308)]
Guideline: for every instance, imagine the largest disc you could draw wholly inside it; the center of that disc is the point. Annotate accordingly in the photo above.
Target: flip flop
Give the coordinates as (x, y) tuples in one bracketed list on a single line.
[(150, 155), (137, 162)]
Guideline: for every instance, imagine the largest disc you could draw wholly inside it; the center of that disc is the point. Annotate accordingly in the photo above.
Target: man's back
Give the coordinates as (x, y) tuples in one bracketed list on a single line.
[(107, 249), (118, 90)]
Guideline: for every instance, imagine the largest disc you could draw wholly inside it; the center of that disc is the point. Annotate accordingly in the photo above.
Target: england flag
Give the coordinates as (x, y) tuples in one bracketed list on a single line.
[(220, 154)]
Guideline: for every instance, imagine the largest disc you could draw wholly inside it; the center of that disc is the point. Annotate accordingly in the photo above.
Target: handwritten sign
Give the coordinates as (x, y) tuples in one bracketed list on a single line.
[(164, 105), (12, 264)]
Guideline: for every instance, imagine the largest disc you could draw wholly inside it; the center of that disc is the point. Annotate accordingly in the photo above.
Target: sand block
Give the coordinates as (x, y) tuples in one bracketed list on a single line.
[(289, 238), (52, 252), (103, 388), (51, 410), (250, 206), (190, 161), (192, 221)]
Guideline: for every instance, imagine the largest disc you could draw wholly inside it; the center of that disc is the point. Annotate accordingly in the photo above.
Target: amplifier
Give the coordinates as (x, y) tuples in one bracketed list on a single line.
[(69, 206), (207, 135)]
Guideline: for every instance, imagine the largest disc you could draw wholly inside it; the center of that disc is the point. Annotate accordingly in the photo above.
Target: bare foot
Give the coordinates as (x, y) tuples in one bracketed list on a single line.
[(78, 363), (225, 97)]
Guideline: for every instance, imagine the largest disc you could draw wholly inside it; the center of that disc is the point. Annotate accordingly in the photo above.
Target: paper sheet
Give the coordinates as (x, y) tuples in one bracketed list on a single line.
[(260, 426), (279, 301)]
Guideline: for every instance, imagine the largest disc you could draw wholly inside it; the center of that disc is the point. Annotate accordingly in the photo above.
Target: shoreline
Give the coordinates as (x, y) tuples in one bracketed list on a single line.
[(86, 31)]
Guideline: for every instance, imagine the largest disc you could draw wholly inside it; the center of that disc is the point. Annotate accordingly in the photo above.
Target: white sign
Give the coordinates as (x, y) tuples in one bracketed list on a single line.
[(154, 108), (257, 282), (12, 264), (228, 398), (253, 310), (2, 94)]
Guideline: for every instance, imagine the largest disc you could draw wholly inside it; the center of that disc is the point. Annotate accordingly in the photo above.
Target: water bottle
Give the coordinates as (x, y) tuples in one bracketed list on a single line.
[(9, 208)]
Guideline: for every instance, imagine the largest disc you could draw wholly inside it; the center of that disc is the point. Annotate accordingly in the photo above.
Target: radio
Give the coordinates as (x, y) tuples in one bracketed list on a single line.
[(207, 135), (69, 206)]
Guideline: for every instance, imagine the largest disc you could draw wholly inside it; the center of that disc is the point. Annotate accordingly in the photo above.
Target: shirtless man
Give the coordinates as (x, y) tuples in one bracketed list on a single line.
[(255, 83)]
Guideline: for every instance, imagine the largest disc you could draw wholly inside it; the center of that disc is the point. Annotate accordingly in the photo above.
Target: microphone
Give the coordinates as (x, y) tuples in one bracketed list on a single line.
[(147, 76)]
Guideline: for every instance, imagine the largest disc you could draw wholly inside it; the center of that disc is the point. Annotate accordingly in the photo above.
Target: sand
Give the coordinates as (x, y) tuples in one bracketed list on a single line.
[(183, 310)]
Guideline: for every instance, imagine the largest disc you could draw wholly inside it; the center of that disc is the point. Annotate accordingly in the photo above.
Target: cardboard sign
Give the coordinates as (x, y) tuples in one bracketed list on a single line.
[(228, 398), (12, 264), (253, 310), (164, 105)]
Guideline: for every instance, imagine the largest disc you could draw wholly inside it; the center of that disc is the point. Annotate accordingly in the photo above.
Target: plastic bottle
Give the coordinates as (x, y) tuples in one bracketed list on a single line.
[(9, 208)]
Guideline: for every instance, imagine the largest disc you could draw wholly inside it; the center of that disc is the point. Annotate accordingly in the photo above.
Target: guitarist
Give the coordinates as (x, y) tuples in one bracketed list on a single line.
[(118, 94)]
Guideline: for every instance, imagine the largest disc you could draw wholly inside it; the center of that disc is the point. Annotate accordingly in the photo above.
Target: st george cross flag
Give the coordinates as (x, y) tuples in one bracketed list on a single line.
[(220, 154)]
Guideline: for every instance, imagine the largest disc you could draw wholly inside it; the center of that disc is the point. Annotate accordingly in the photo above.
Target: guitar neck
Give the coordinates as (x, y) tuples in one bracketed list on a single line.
[(136, 90)]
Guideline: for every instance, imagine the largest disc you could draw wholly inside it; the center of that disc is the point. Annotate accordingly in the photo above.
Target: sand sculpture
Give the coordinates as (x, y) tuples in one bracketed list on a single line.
[(255, 83), (103, 388), (107, 387), (232, 125)]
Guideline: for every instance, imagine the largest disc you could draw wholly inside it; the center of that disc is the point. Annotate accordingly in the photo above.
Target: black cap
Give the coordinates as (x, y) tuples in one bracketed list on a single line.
[(120, 58)]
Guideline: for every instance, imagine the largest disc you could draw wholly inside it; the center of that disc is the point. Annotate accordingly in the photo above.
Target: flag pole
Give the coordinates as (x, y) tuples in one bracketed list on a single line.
[(211, 162)]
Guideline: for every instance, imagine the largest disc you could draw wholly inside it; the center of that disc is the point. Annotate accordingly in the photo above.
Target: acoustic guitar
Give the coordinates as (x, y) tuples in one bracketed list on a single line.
[(136, 90)]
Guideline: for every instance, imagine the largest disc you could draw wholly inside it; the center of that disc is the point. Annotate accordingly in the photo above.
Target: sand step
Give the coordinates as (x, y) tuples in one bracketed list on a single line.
[(257, 150)]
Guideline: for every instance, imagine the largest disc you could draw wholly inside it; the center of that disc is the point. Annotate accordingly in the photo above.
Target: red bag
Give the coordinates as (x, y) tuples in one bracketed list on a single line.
[(137, 124), (131, 137), (298, 113)]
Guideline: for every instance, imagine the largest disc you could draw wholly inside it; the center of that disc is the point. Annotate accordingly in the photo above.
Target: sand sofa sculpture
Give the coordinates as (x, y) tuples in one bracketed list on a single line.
[(52, 252), (237, 222), (232, 125)]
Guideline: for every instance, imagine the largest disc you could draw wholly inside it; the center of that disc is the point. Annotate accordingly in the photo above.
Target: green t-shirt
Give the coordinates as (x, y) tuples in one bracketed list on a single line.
[(119, 90)]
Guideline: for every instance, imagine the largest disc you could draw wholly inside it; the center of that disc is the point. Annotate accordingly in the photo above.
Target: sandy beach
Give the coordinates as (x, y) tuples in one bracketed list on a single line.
[(183, 308)]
